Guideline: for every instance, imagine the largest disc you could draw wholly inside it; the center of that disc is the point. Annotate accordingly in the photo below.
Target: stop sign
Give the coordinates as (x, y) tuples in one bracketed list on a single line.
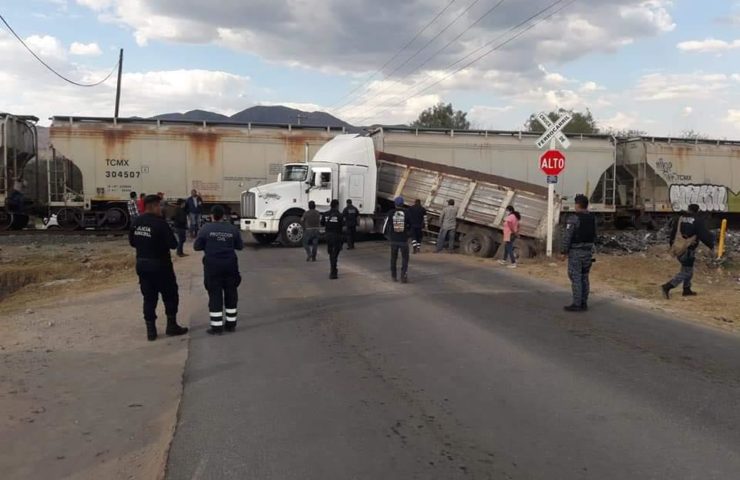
[(552, 162)]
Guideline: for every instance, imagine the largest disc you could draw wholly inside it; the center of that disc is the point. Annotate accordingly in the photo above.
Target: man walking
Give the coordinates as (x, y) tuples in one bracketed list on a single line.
[(332, 220), (397, 229), (311, 221), (686, 233), (447, 226), (180, 223), (417, 218), (350, 216), (578, 245), (133, 208), (194, 207), (153, 239), (219, 241)]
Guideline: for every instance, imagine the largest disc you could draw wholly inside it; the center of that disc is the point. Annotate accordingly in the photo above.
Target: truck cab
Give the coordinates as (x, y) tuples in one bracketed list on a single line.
[(344, 168)]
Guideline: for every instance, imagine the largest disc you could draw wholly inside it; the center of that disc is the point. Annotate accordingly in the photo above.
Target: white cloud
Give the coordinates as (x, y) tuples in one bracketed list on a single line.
[(709, 45), (620, 121), (687, 111), (490, 118), (733, 117), (46, 46), (96, 5), (662, 86), (85, 49)]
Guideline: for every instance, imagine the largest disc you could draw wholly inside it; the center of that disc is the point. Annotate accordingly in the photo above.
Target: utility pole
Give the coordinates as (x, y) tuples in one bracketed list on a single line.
[(118, 85), (299, 117)]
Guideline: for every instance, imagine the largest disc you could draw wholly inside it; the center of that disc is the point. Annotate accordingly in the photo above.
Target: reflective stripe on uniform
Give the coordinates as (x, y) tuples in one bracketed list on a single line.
[(231, 311), (230, 319), (217, 323), (216, 314)]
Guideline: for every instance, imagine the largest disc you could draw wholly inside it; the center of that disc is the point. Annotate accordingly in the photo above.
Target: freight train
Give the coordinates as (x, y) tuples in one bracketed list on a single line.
[(98, 161), (18, 148)]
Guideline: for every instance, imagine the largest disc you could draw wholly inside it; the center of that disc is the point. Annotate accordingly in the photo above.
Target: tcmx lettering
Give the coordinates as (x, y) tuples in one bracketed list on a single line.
[(116, 162)]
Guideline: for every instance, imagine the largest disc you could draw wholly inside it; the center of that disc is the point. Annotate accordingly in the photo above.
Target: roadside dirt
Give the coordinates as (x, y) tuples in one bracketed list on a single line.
[(83, 395), (637, 278)]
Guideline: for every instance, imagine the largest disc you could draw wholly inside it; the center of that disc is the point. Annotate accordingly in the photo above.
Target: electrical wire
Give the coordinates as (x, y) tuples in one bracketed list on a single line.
[(423, 47), (401, 50), (476, 59), (52, 69), (444, 47)]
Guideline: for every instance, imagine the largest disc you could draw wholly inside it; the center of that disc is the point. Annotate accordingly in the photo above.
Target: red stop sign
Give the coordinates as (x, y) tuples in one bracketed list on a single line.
[(552, 162)]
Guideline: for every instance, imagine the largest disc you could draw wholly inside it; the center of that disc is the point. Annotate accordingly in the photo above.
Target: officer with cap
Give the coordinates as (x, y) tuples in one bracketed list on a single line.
[(219, 241), (397, 228), (333, 222), (350, 216), (153, 239), (577, 245)]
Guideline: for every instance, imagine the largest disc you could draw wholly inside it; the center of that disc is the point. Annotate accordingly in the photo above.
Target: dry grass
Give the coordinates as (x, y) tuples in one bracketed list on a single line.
[(639, 276), (35, 275)]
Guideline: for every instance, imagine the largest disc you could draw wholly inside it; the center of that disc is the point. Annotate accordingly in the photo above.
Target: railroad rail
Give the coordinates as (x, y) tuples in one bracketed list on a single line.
[(60, 232)]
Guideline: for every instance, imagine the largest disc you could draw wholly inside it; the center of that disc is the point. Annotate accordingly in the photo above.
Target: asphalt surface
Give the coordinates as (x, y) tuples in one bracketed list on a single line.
[(469, 371)]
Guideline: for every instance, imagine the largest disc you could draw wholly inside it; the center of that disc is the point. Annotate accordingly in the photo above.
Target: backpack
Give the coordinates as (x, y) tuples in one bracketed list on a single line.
[(680, 243)]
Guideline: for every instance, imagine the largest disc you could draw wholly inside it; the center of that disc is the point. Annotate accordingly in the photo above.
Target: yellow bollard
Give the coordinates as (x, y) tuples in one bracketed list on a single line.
[(722, 234)]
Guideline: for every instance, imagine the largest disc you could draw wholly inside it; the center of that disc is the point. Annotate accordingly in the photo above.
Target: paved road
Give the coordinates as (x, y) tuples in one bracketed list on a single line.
[(467, 372)]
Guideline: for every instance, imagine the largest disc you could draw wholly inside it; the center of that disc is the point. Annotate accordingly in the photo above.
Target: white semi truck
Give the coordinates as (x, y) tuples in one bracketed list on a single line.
[(348, 167)]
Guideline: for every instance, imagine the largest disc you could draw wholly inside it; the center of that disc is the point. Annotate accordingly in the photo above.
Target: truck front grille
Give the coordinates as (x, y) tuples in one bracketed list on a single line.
[(248, 205)]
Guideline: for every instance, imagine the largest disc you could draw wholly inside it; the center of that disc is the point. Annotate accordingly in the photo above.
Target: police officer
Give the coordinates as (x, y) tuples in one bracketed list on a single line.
[(333, 222), (397, 229), (686, 232), (577, 245), (219, 241), (153, 239), (350, 215)]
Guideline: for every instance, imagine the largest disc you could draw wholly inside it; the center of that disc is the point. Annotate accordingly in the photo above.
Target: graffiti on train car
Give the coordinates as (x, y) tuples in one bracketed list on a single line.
[(665, 170), (710, 198)]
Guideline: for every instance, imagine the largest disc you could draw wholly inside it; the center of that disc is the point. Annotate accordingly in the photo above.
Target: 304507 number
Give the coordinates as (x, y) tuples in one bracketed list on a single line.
[(122, 174)]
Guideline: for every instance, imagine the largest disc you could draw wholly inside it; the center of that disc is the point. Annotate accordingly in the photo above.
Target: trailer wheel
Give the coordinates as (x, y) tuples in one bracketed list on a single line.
[(265, 238), (291, 232), (479, 243)]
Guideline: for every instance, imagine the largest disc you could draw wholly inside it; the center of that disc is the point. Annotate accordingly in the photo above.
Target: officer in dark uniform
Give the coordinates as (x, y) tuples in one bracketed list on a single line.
[(398, 227), (153, 239), (690, 229), (350, 216), (219, 241), (333, 222), (417, 214), (578, 245)]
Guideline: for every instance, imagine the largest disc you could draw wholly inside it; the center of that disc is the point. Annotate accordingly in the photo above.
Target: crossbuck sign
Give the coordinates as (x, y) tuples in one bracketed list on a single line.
[(553, 131)]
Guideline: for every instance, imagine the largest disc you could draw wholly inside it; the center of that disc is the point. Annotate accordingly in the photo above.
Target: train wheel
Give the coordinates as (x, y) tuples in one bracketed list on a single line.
[(5, 220), (69, 218), (116, 218)]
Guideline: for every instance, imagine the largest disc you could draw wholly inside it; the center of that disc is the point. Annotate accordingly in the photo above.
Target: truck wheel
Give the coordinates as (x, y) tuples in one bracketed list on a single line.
[(478, 243), (265, 238), (291, 232)]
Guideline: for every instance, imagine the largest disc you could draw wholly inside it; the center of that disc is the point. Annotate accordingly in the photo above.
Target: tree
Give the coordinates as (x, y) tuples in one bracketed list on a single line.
[(581, 123), (442, 116), (626, 133), (693, 135)]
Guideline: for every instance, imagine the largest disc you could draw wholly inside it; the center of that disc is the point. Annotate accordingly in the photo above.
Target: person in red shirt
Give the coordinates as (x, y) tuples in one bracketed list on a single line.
[(140, 203), (511, 230)]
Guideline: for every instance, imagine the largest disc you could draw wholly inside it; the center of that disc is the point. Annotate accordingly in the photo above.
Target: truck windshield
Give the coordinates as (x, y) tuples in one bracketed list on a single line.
[(295, 173)]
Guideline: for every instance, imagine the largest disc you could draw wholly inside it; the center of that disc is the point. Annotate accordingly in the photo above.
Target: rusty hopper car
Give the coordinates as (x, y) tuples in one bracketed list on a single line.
[(99, 161), (662, 175), (590, 166), (18, 147)]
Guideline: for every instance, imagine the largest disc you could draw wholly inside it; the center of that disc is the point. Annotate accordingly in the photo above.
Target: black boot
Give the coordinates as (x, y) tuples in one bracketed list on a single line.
[(173, 329), (404, 278), (687, 292), (151, 331), (573, 308), (584, 306), (666, 288), (215, 331), (333, 275)]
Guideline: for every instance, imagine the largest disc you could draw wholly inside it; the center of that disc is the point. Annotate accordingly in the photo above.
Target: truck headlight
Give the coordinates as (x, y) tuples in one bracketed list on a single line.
[(269, 213)]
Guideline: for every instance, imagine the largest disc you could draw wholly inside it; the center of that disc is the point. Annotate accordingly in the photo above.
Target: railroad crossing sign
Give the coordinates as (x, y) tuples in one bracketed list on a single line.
[(552, 162), (553, 131)]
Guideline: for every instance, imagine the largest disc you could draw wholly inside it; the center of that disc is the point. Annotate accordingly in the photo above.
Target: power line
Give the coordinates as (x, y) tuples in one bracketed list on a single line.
[(480, 57), (444, 47), (423, 47), (52, 69), (390, 60)]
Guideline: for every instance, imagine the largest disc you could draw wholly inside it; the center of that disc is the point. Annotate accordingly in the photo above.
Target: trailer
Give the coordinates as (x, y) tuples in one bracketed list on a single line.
[(348, 167), (99, 161), (18, 148)]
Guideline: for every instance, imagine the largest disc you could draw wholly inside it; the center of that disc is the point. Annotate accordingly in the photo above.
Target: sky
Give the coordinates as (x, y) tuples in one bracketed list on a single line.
[(660, 66)]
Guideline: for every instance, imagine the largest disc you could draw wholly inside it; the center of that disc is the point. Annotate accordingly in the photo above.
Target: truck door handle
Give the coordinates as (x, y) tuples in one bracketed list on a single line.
[(328, 201)]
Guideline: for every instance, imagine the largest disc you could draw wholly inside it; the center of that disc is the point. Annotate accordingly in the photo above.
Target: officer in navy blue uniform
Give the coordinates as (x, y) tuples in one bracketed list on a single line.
[(153, 239), (578, 246), (397, 229), (219, 241), (333, 222)]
